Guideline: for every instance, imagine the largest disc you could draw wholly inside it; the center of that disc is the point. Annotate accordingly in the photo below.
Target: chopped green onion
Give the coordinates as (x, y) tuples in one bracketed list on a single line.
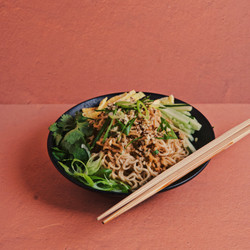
[(125, 104), (108, 129), (138, 104), (156, 152), (165, 126), (123, 126), (138, 138), (106, 110), (105, 125), (78, 166), (128, 126)]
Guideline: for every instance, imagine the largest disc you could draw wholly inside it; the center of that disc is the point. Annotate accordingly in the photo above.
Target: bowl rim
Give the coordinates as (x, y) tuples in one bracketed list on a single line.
[(177, 183)]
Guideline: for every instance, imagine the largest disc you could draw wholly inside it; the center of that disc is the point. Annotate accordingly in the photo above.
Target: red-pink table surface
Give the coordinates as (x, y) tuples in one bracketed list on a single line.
[(40, 209)]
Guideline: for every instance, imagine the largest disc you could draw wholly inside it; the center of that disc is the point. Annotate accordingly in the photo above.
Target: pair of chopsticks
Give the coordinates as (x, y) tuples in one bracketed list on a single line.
[(177, 171)]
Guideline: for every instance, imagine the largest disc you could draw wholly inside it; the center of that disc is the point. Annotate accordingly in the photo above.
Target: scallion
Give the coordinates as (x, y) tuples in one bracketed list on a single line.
[(138, 138), (107, 131), (105, 125), (138, 105)]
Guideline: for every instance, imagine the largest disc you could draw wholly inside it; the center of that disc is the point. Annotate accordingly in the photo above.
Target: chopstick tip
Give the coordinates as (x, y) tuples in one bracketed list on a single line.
[(100, 217)]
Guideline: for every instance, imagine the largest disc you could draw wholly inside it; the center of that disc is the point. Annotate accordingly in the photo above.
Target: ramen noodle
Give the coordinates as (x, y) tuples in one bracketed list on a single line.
[(141, 138)]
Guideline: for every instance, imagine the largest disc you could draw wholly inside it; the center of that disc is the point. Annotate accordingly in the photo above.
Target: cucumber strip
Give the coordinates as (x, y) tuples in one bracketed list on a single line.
[(189, 145), (179, 106), (184, 128), (175, 114), (179, 124), (186, 113), (183, 124), (183, 118), (182, 108), (191, 138)]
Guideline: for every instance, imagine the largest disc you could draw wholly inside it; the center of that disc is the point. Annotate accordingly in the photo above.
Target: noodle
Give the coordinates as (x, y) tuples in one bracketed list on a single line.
[(141, 155), (124, 142)]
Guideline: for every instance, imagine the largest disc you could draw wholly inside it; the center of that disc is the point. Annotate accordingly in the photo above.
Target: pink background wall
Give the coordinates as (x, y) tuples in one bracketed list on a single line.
[(68, 51)]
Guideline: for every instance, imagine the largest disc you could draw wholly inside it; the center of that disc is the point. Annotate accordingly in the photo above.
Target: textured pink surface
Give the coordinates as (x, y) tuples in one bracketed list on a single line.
[(68, 51), (40, 209)]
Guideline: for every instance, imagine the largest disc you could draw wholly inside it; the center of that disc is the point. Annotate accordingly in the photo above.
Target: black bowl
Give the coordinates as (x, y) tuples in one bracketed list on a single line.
[(205, 135)]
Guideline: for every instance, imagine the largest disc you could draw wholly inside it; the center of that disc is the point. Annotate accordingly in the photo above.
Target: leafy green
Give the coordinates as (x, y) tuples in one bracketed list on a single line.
[(70, 134), (169, 132), (103, 172), (58, 153), (53, 127), (72, 151), (93, 175), (66, 123)]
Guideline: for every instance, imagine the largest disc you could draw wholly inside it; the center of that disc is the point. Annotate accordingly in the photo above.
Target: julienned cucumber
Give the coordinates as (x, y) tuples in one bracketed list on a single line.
[(190, 137), (181, 107), (186, 113), (172, 113), (189, 145), (186, 128)]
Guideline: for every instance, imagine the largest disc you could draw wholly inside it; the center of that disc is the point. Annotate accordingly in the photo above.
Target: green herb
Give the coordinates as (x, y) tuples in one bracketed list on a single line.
[(125, 105), (125, 128), (156, 152), (146, 99), (138, 105), (65, 124), (138, 138), (106, 110), (69, 134), (72, 142), (128, 126), (105, 125), (93, 175), (108, 129), (59, 154), (122, 125), (169, 132)]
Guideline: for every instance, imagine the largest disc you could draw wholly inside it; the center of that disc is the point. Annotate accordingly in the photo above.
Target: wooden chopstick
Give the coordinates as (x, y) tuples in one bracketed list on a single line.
[(178, 174), (179, 170)]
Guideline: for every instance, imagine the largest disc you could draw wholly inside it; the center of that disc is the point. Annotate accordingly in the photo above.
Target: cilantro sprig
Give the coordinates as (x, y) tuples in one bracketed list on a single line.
[(69, 134)]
